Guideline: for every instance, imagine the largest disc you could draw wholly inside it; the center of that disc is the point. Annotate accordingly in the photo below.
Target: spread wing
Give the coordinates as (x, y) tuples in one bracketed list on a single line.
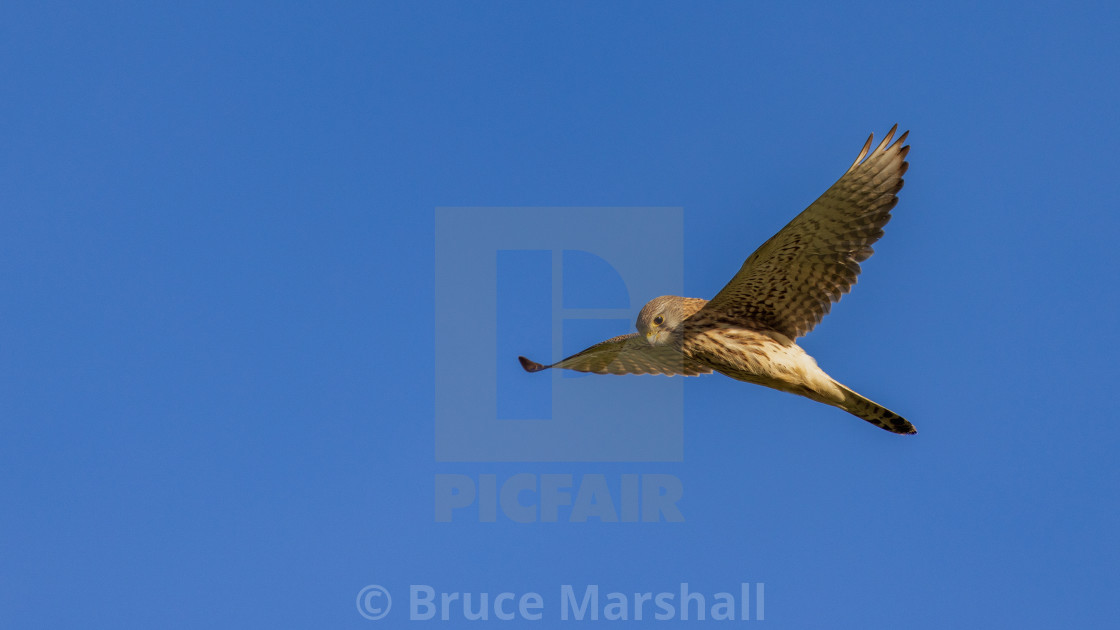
[(627, 354), (789, 284)]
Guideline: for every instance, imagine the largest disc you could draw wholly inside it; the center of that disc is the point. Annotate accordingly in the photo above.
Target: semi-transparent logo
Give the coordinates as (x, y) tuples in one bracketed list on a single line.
[(546, 283)]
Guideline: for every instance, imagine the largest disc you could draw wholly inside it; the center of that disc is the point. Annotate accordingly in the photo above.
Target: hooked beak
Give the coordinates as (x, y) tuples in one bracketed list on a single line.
[(654, 337)]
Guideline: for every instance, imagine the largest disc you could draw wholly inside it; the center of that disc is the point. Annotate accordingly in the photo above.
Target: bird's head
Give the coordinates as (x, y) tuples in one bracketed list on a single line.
[(661, 317)]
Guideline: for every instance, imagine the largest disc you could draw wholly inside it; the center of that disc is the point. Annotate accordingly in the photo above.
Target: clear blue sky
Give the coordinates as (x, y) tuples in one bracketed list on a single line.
[(218, 298)]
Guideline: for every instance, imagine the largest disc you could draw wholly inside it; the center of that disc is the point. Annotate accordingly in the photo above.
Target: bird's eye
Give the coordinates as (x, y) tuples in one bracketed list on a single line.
[(659, 320)]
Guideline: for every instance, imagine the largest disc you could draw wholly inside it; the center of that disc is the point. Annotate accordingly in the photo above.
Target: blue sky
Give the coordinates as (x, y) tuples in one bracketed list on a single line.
[(217, 322)]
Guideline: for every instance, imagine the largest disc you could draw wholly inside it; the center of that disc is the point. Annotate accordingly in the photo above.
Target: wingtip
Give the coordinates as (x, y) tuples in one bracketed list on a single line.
[(887, 139), (863, 152), (884, 144), (531, 366)]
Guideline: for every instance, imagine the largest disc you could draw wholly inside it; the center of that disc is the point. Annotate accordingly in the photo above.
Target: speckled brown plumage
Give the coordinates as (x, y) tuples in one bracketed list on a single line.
[(782, 291), (789, 283)]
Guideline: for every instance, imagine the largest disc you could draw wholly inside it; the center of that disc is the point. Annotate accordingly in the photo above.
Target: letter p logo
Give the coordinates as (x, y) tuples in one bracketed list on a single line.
[(546, 283)]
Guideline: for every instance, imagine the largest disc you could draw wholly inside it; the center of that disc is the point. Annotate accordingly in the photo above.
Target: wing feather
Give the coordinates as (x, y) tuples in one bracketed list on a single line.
[(626, 354), (789, 283)]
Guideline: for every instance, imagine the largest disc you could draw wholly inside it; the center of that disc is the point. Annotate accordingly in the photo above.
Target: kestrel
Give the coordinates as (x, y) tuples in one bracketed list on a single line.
[(782, 291)]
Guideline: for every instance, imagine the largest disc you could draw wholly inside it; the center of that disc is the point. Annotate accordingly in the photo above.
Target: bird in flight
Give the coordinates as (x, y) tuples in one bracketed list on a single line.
[(782, 291)]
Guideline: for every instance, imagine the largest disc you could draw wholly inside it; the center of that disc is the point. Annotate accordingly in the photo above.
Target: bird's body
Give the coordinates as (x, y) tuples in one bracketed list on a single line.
[(782, 291), (773, 360), (755, 357)]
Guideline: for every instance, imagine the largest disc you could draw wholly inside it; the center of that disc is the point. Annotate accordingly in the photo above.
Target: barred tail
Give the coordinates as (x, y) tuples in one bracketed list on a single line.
[(874, 413)]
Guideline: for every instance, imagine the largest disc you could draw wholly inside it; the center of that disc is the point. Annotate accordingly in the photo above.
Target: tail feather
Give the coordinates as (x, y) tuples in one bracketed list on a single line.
[(874, 413)]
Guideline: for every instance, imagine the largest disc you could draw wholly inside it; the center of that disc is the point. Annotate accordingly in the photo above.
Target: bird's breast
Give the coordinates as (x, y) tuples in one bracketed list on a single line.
[(756, 357)]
